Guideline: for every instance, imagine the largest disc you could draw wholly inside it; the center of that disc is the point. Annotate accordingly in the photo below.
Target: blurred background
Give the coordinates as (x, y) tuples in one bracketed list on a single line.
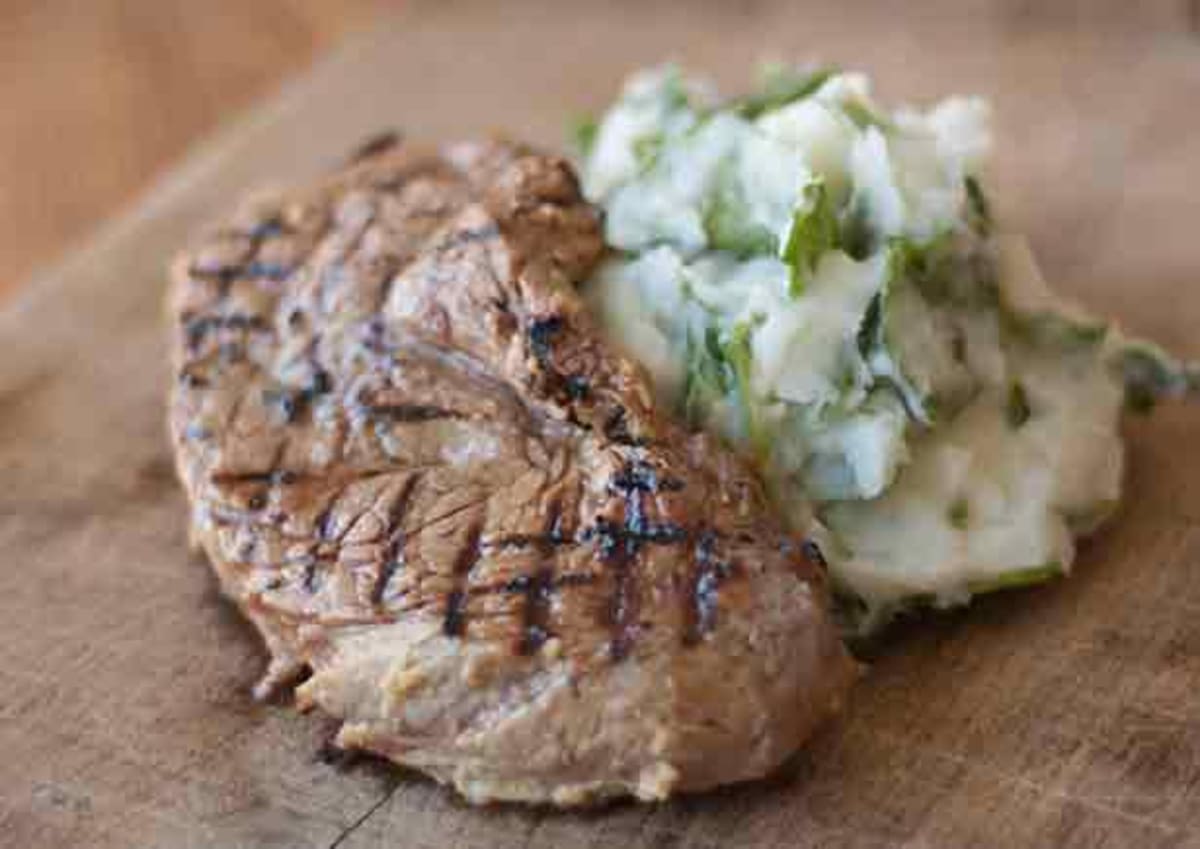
[(100, 96)]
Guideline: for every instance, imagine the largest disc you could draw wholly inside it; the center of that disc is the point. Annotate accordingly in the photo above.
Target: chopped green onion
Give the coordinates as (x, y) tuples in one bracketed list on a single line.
[(738, 353), (712, 345), (707, 378), (781, 88), (814, 231), (863, 116), (870, 328)]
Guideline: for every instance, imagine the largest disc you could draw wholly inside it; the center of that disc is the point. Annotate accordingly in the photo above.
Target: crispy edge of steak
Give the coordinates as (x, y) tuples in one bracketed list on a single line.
[(419, 470)]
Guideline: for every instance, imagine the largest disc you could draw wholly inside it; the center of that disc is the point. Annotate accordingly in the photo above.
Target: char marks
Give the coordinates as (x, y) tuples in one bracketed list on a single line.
[(701, 599), (394, 536), (412, 413), (469, 235), (541, 337), (454, 622), (616, 429), (325, 259), (620, 545), (422, 473), (196, 329), (537, 589), (538, 586), (271, 477), (254, 270)]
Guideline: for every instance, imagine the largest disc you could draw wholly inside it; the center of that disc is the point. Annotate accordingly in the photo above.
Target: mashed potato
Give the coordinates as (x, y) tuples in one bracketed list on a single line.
[(819, 280)]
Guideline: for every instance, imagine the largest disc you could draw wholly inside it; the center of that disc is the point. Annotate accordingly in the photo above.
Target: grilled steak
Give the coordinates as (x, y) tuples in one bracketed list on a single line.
[(424, 477)]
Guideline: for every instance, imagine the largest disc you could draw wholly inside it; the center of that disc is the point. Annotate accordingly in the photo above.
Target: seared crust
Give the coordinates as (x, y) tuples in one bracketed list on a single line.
[(421, 473)]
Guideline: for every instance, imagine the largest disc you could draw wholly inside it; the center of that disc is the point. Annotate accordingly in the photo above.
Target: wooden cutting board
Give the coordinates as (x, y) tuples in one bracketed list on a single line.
[(1066, 715)]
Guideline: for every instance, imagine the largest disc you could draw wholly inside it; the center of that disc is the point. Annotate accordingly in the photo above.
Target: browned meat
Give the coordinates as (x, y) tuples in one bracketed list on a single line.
[(420, 472)]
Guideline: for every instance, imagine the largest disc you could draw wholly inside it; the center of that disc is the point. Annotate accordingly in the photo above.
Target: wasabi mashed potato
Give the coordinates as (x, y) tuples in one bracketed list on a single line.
[(820, 281)]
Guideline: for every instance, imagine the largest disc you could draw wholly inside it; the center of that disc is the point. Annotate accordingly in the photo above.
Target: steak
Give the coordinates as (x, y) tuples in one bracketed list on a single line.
[(430, 484)]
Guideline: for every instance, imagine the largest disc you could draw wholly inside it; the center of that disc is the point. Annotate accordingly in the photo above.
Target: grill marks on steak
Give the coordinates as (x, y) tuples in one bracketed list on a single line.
[(393, 416), (379, 405)]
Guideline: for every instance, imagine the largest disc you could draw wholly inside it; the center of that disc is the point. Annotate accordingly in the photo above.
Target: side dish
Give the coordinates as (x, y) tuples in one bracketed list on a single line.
[(820, 281)]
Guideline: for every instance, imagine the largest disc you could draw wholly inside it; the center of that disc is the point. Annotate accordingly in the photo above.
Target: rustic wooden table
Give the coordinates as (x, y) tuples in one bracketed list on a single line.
[(100, 96), (1066, 715)]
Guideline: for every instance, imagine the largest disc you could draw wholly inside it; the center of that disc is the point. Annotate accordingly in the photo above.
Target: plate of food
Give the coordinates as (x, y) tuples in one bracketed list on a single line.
[(720, 468), (566, 483)]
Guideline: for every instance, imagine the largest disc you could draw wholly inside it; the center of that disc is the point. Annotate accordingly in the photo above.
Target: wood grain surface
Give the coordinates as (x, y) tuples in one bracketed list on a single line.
[(1068, 715), (101, 95)]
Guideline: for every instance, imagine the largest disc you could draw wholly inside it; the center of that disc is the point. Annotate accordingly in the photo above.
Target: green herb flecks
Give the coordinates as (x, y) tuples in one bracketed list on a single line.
[(979, 210), (1017, 410), (863, 116), (814, 231), (958, 345), (646, 150), (942, 272), (906, 259), (959, 514), (1084, 520), (780, 88), (870, 328), (674, 91), (1017, 578), (920, 262), (1150, 374), (739, 354), (857, 235), (727, 222), (583, 133), (707, 379), (1054, 330)]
